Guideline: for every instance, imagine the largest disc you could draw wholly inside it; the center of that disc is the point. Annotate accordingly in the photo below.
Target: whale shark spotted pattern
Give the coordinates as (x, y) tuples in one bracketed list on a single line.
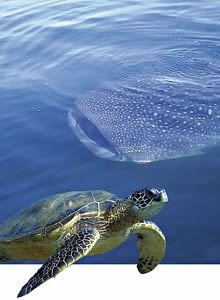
[(145, 120)]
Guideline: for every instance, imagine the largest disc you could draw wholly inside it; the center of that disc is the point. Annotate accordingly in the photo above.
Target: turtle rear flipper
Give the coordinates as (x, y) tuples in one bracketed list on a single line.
[(74, 248), (3, 256)]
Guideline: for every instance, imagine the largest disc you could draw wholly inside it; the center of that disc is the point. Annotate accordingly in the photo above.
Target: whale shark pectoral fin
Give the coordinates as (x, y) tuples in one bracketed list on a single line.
[(91, 137)]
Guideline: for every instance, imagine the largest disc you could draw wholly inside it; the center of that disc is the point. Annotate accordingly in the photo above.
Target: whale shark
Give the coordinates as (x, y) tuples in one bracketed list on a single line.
[(147, 119)]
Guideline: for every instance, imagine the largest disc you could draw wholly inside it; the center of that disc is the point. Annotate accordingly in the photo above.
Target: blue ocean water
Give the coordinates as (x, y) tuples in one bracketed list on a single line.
[(53, 52)]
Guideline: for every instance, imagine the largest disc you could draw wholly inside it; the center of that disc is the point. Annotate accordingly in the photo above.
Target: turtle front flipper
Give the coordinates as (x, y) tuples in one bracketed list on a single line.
[(74, 248), (151, 244)]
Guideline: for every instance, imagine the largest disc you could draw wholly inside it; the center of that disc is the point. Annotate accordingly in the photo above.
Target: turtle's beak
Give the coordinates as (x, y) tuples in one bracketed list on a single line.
[(162, 196)]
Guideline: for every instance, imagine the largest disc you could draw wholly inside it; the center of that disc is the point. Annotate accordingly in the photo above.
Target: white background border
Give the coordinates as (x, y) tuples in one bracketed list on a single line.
[(113, 282)]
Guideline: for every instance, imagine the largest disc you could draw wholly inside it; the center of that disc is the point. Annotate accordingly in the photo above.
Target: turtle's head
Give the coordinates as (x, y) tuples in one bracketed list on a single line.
[(148, 202)]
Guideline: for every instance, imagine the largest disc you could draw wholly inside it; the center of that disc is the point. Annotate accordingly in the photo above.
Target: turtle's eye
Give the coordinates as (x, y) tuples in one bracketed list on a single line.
[(152, 192)]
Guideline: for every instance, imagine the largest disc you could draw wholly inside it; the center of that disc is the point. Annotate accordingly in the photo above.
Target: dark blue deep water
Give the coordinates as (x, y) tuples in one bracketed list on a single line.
[(51, 53)]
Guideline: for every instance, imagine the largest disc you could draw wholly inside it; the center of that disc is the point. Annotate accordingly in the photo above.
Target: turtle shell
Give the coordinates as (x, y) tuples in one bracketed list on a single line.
[(48, 214)]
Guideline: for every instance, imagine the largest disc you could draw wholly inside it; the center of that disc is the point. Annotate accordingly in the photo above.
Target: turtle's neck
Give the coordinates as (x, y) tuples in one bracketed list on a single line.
[(122, 215)]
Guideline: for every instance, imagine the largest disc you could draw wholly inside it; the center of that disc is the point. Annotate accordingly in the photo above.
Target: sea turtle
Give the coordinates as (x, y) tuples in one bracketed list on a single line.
[(63, 228)]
